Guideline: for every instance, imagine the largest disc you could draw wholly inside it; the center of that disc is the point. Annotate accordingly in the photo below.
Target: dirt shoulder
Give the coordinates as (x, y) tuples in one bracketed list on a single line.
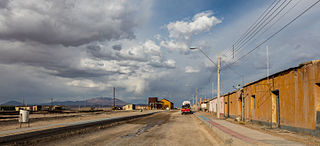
[(48, 119)]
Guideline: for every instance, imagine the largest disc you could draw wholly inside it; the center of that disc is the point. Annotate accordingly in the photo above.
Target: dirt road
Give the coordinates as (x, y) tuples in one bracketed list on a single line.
[(166, 128)]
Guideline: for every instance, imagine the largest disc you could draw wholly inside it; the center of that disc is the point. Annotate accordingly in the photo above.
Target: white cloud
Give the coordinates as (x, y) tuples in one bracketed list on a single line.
[(151, 48), (158, 37), (85, 83), (200, 22), (190, 69), (90, 64), (174, 46), (180, 32), (171, 63), (131, 67)]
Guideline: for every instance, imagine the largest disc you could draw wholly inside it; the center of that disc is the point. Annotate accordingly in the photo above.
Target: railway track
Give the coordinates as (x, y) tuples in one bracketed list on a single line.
[(34, 135)]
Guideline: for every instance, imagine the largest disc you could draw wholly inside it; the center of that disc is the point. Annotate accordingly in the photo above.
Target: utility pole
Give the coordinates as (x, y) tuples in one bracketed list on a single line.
[(218, 87), (267, 48), (193, 100), (212, 90), (232, 51), (114, 97), (196, 99)]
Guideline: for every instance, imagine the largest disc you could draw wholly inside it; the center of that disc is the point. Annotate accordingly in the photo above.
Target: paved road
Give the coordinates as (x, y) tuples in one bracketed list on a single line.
[(166, 128)]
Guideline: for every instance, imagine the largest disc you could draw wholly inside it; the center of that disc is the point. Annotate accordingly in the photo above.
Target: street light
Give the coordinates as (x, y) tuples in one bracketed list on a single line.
[(218, 70)]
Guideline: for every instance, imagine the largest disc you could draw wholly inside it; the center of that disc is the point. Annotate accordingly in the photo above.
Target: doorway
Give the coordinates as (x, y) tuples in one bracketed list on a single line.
[(276, 93)]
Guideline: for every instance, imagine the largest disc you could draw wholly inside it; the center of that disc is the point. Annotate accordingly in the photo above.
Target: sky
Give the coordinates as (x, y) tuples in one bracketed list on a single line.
[(79, 49)]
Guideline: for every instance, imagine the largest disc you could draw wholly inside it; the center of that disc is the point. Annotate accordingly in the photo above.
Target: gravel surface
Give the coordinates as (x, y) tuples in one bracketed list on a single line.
[(47, 119), (165, 128)]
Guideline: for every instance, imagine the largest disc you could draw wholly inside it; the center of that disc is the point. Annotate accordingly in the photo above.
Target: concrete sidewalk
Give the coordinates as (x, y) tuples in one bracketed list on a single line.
[(235, 134)]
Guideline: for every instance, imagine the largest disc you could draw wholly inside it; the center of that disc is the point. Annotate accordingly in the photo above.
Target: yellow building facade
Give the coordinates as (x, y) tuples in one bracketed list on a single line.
[(129, 107), (167, 103)]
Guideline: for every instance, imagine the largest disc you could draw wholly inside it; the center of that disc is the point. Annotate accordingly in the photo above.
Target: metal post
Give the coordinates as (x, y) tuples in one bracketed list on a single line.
[(218, 88), (196, 99)]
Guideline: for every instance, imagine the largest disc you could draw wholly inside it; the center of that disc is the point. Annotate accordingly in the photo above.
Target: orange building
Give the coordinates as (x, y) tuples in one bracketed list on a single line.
[(289, 99), (167, 104)]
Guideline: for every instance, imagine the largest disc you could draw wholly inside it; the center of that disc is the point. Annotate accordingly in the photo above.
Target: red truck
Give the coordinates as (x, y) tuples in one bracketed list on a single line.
[(186, 108)]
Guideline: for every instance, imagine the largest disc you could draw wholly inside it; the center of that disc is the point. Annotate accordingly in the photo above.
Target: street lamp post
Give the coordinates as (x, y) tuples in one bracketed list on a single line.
[(218, 80)]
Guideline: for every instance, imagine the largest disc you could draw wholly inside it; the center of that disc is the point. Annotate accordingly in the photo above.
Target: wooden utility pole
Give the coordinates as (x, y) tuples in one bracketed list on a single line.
[(114, 97), (268, 66), (212, 89), (218, 87), (193, 99)]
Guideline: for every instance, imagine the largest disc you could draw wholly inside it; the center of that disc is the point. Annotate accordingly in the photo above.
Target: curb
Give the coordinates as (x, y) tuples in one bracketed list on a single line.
[(228, 139), (69, 127)]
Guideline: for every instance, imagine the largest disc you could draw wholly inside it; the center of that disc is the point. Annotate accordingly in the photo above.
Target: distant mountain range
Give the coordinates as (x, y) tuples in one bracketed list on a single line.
[(98, 101), (12, 103)]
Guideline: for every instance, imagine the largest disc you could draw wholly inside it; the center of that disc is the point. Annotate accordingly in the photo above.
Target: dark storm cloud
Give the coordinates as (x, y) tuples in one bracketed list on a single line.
[(77, 73), (4, 3), (57, 60), (117, 47), (96, 52), (52, 35), (70, 23)]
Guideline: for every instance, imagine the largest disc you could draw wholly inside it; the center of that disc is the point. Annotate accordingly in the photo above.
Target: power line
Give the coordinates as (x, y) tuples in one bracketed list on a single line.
[(252, 27), (276, 21), (253, 24), (282, 16), (264, 25), (263, 19), (276, 32)]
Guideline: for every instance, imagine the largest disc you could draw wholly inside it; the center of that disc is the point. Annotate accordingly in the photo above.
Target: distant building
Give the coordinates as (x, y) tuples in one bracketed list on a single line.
[(141, 107), (129, 107), (36, 108), (18, 108), (46, 108), (57, 108), (7, 108), (166, 104), (152, 100), (153, 103)]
